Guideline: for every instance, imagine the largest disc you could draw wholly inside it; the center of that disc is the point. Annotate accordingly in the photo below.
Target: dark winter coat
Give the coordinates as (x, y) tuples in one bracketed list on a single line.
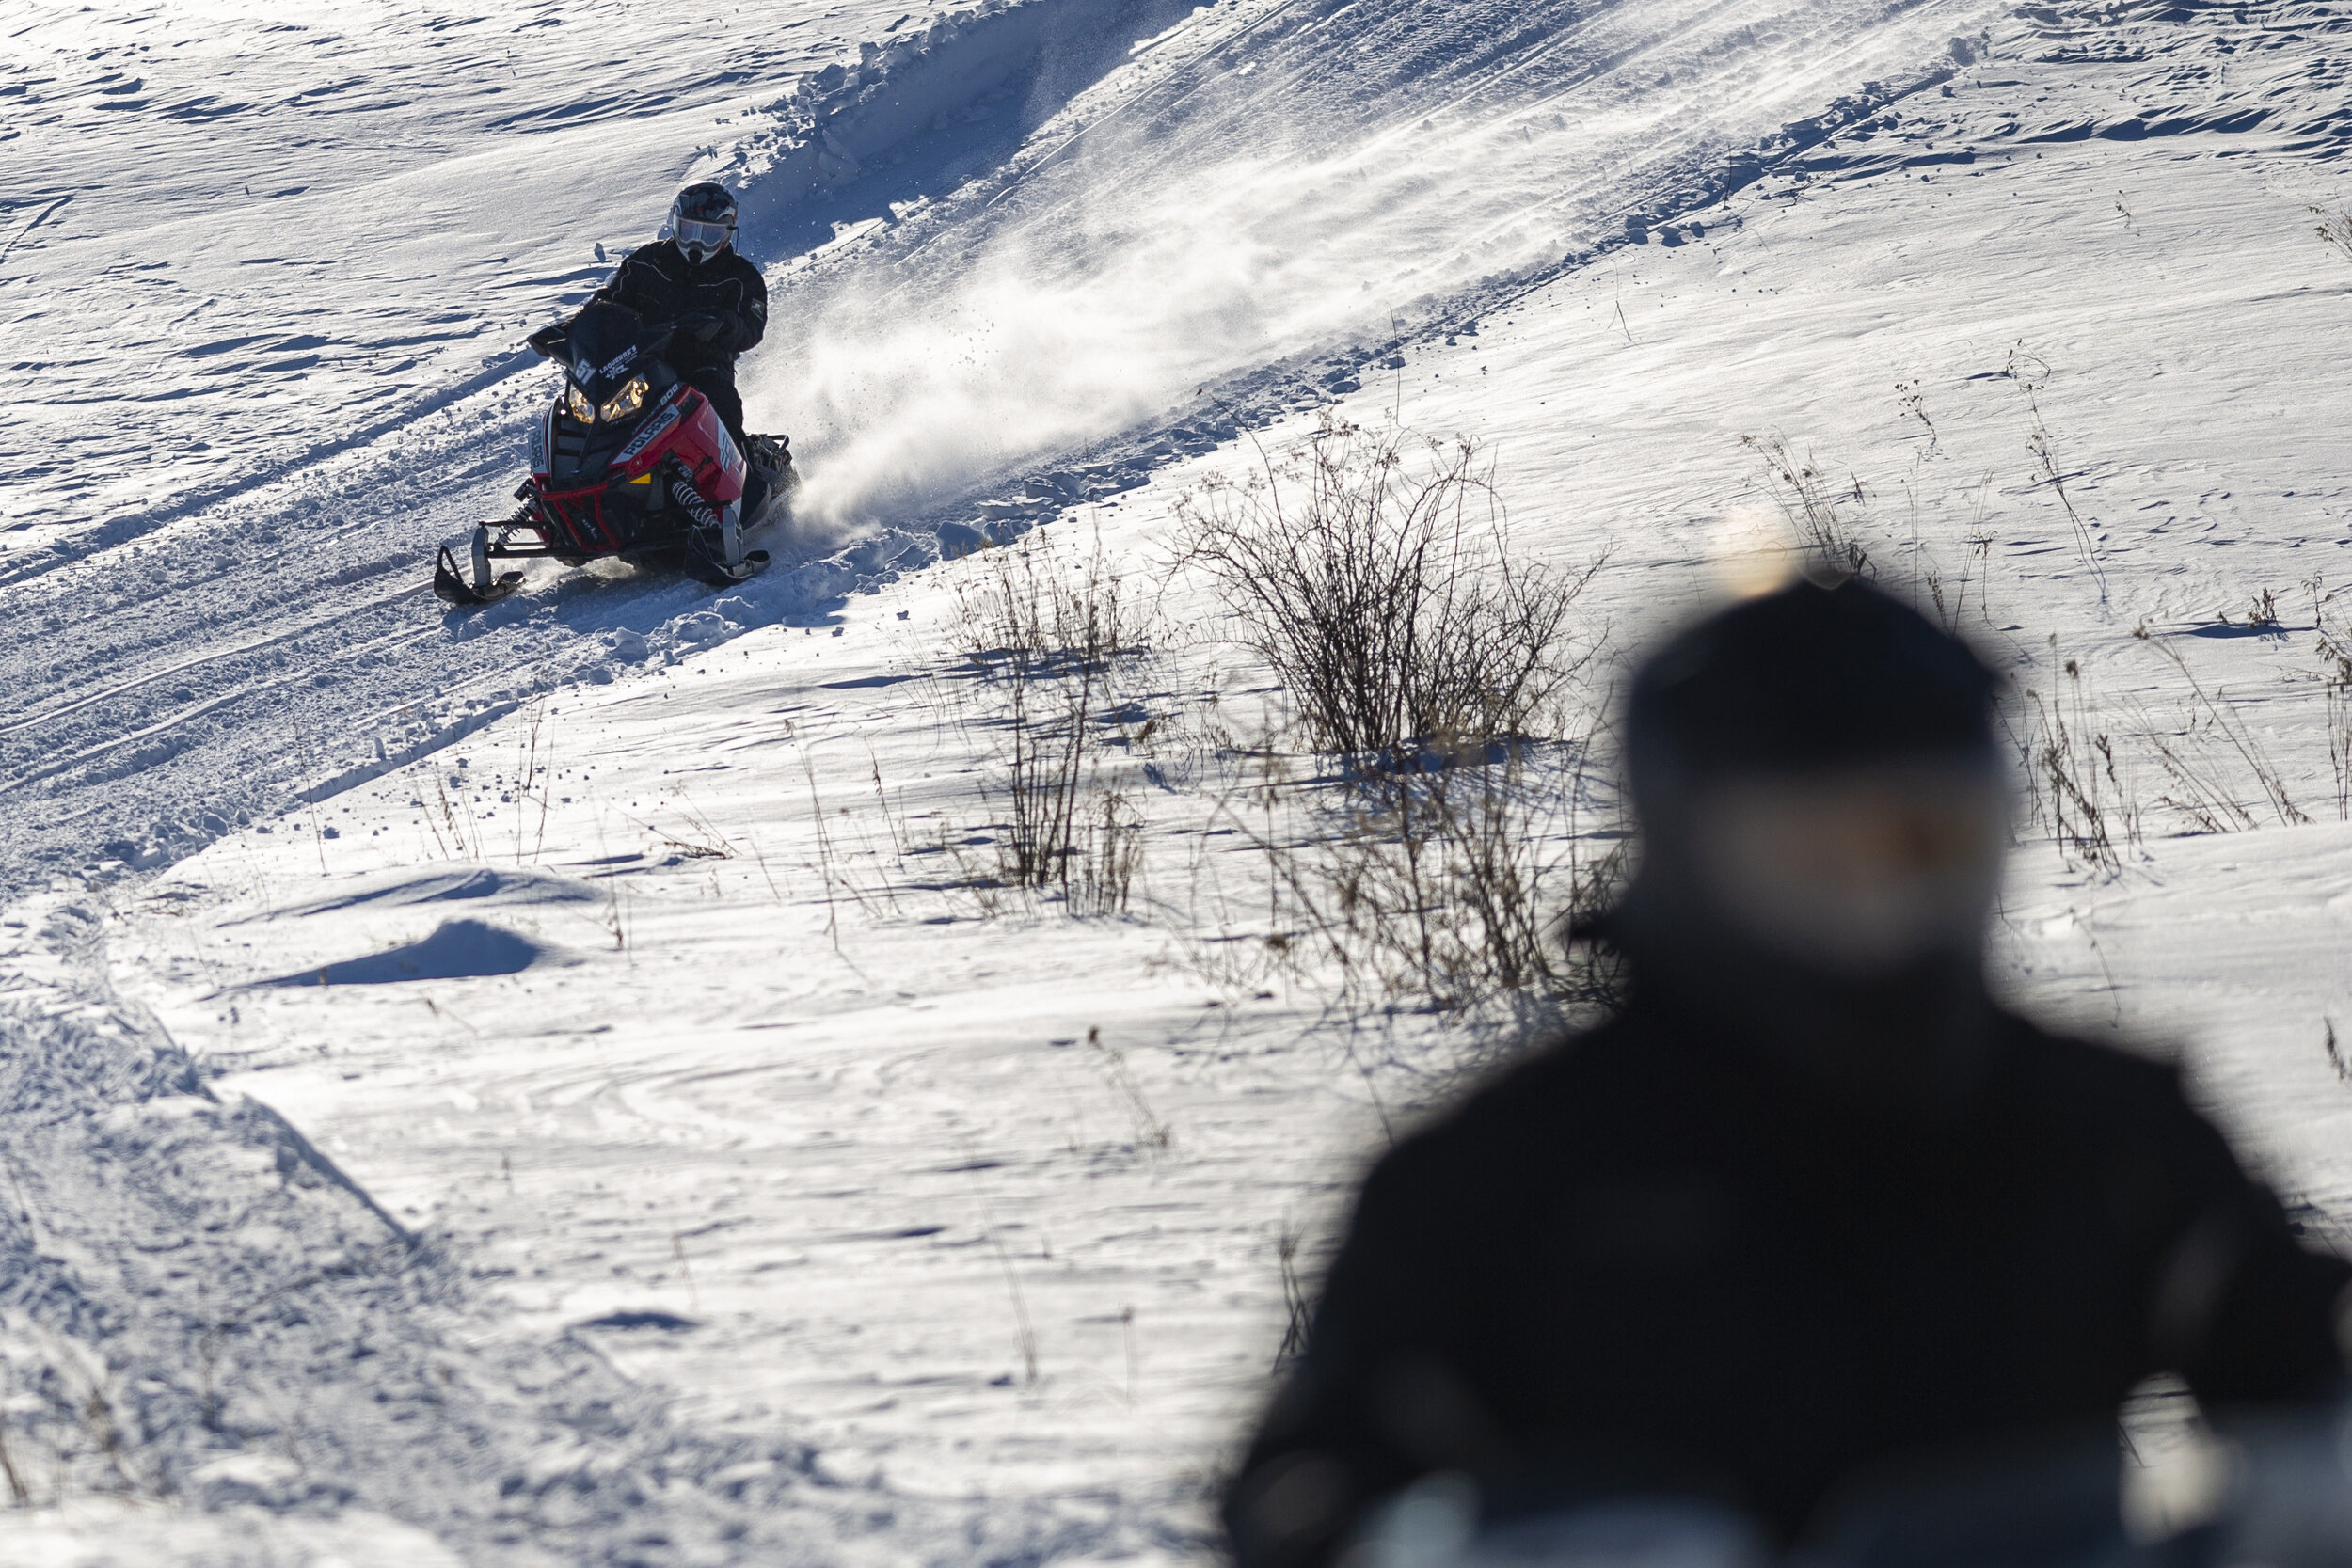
[(659, 284), (1652, 1257)]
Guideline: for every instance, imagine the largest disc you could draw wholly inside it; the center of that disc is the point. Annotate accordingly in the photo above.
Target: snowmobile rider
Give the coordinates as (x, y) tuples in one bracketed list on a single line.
[(694, 277), (1811, 1203)]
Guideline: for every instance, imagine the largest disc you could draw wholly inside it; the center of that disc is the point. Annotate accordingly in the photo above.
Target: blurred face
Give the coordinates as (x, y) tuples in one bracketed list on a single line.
[(1854, 872)]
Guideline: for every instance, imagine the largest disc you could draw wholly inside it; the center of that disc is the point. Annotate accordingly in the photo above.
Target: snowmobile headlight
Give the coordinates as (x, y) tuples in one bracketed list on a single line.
[(576, 404), (628, 401)]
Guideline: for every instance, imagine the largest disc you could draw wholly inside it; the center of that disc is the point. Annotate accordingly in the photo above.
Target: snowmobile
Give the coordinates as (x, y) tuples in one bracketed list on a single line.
[(631, 462)]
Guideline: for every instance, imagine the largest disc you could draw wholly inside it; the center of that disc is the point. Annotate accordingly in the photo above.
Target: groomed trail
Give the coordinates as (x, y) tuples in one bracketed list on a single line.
[(997, 238)]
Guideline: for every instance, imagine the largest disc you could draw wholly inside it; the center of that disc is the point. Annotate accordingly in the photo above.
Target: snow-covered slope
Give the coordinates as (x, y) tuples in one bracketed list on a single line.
[(1273, 177), (242, 423), (782, 1198), (187, 643)]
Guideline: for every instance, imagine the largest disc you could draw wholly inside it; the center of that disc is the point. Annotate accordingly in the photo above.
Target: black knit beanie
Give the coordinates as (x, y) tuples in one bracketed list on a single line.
[(1804, 680)]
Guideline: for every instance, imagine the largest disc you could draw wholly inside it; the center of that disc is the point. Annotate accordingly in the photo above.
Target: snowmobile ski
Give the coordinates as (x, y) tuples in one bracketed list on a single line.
[(719, 574), (478, 587)]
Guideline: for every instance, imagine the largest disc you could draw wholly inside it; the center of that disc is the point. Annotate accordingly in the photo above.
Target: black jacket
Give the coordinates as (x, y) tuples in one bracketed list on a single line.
[(659, 284), (1651, 1257)]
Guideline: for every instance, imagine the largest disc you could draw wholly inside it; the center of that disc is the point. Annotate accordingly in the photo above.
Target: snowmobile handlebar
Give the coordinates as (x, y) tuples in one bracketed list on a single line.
[(554, 342), (702, 328)]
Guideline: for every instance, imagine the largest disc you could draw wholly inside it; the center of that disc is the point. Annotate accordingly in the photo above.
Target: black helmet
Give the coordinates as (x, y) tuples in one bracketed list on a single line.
[(701, 221)]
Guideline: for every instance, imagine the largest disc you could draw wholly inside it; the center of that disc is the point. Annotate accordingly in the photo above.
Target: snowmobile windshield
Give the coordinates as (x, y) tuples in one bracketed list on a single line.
[(609, 345)]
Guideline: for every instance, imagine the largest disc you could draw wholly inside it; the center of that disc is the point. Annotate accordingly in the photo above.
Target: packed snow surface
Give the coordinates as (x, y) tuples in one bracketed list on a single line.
[(553, 1086)]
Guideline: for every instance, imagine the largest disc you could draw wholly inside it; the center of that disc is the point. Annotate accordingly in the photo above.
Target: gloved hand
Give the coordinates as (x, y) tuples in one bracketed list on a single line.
[(551, 342), (705, 329)]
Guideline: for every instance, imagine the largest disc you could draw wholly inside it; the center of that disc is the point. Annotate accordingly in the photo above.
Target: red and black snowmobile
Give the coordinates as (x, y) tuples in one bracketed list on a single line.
[(631, 462)]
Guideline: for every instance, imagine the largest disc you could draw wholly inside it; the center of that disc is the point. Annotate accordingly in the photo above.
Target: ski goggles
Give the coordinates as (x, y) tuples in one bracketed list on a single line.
[(703, 239)]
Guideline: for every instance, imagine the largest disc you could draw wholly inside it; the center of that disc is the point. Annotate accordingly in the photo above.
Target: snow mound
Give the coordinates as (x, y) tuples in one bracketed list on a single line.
[(458, 950), (669, 1322)]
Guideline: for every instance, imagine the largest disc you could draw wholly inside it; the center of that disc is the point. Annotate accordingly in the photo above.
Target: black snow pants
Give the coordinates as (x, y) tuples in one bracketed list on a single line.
[(717, 382)]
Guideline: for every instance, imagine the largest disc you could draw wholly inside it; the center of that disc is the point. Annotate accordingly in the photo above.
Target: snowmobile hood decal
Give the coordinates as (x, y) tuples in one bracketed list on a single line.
[(645, 437), (620, 362)]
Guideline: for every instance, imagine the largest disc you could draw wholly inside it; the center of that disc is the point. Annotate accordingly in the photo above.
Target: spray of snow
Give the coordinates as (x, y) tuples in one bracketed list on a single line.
[(912, 407), (1338, 184)]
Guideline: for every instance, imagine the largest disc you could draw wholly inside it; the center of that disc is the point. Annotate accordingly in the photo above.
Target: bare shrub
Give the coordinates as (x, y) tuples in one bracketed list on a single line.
[(1379, 586), (2196, 790), (2031, 375), (1951, 607), (1466, 881), (2335, 658), (1019, 1308), (1152, 1130), (1105, 854), (2073, 789), (2210, 725), (2221, 717), (2334, 228), (1298, 1302), (1915, 405), (1950, 595), (1435, 870), (1813, 506), (1042, 643), (1453, 890)]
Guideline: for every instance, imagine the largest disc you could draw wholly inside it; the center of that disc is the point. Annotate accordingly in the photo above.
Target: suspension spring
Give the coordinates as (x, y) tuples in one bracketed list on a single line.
[(682, 491)]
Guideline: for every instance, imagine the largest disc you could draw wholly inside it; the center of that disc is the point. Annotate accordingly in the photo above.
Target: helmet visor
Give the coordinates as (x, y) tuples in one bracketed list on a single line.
[(699, 239)]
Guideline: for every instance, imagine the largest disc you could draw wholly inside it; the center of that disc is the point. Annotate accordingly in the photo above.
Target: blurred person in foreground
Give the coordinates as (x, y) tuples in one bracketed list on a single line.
[(1812, 1204)]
